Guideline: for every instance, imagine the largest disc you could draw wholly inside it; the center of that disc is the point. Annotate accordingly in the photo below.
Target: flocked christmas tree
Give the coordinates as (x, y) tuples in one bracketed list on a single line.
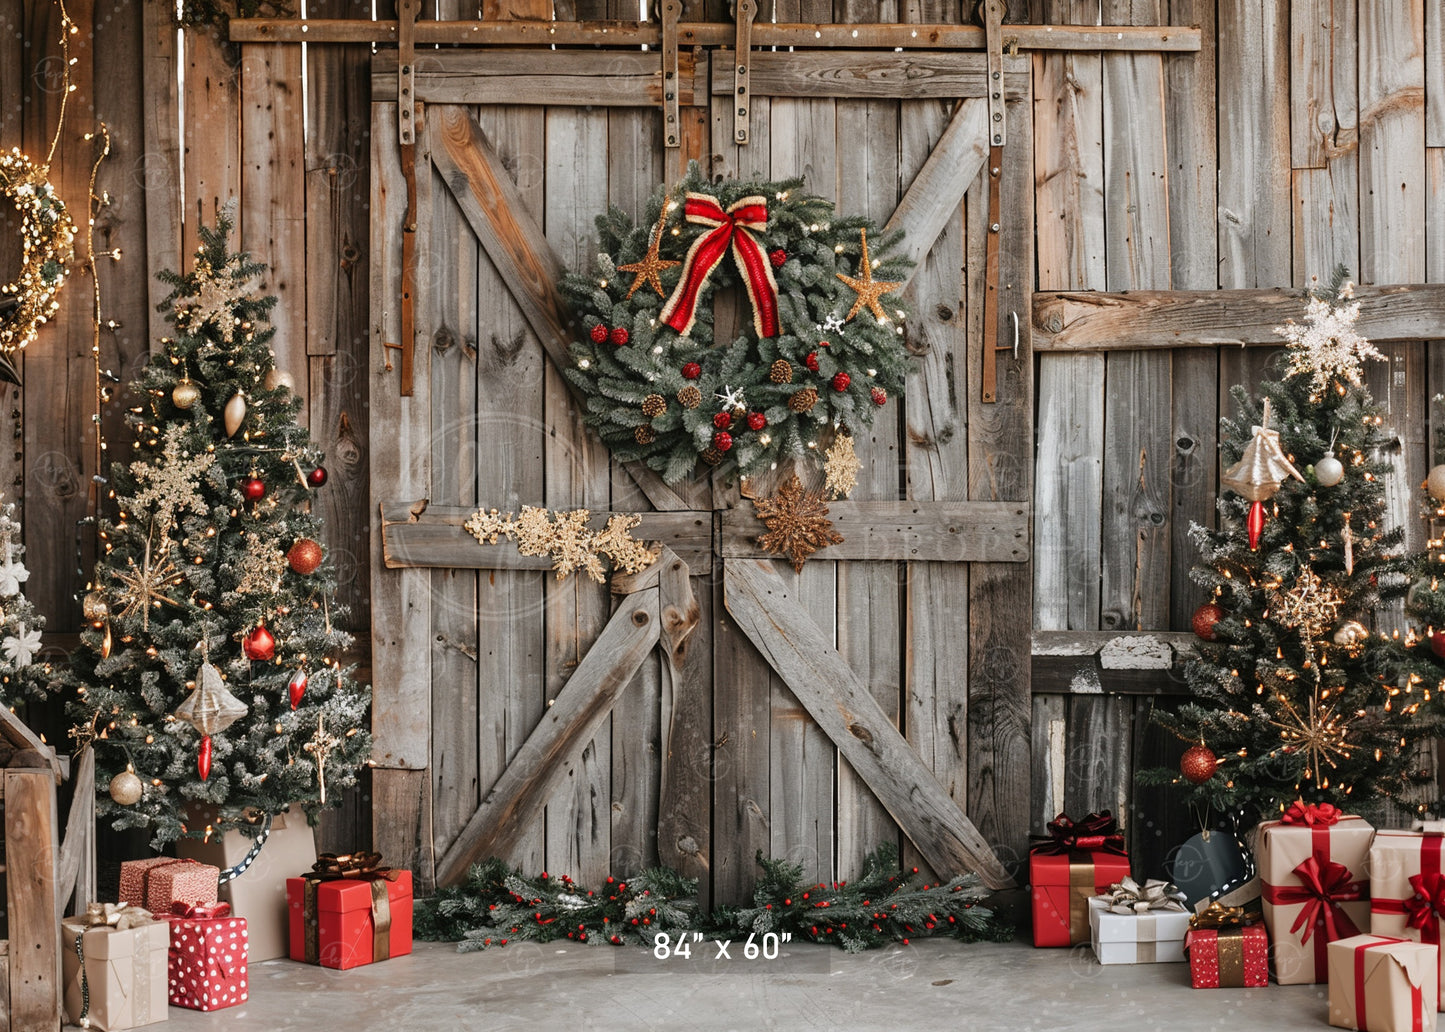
[(1295, 695), (209, 673)]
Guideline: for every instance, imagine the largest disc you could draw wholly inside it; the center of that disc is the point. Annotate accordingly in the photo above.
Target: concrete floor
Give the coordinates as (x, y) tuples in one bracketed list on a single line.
[(933, 984)]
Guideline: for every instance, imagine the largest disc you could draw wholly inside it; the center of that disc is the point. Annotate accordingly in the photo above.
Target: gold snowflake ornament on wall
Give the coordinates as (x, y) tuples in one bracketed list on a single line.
[(797, 523)]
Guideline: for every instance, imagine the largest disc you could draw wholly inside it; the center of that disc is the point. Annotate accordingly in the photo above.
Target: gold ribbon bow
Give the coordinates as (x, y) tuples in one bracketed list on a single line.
[(119, 916), (1217, 915), (1129, 897)]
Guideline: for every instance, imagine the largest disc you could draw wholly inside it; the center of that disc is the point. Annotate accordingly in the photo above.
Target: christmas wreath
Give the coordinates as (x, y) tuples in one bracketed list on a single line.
[(824, 349), (47, 239)]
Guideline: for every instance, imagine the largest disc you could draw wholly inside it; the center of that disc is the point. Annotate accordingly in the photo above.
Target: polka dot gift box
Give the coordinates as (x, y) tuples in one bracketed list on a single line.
[(208, 957)]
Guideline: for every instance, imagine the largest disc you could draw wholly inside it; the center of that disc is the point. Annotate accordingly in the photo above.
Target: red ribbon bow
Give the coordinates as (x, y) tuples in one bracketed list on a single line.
[(1324, 885), (733, 229), (1311, 814), (1428, 903), (200, 911), (1096, 832)]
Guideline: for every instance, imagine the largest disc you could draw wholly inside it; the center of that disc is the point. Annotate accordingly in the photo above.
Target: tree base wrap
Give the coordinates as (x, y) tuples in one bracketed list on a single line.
[(259, 894), (1382, 984), (1301, 920), (1228, 958), (121, 972), (1407, 888), (1148, 938), (346, 923), (208, 969), (161, 881), (1062, 885)]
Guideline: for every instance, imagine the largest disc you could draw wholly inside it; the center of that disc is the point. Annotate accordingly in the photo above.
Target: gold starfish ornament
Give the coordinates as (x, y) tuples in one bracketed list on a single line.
[(650, 265), (867, 288), (797, 523)]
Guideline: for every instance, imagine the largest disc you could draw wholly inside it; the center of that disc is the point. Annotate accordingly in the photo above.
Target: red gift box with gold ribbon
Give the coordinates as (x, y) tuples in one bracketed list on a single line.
[(1079, 859), (349, 910), (1228, 949), (1314, 863), (1407, 885)]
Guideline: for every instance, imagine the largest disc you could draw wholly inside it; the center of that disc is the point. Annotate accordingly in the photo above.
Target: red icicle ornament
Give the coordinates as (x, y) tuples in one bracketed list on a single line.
[(1255, 524), (203, 758), (296, 687)]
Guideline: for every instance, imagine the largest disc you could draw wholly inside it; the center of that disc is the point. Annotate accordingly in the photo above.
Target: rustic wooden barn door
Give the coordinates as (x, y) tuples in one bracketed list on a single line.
[(881, 694)]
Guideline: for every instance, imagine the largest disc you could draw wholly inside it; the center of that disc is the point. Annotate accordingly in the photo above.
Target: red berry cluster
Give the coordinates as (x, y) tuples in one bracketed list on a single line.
[(618, 335)]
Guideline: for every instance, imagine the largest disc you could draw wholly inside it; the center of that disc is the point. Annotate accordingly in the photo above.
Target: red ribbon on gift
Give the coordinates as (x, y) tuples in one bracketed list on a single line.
[(1312, 814), (733, 229), (1426, 908), (200, 911), (1417, 1008), (1098, 832), (1324, 885)]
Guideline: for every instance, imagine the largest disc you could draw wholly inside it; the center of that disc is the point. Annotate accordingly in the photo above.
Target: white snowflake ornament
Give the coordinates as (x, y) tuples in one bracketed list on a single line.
[(1326, 344), (21, 649)]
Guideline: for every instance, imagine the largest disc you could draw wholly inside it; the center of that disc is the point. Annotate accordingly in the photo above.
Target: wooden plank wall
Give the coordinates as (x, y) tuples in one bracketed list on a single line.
[(1326, 152)]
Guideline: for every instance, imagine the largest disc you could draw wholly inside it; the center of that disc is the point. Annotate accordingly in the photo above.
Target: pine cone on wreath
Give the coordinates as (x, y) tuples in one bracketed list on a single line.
[(689, 397), (644, 434), (654, 405), (780, 372), (803, 400), (712, 456)]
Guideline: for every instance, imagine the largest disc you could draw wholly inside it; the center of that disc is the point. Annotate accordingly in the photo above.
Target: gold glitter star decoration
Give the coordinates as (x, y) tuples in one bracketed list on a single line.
[(261, 566), (1319, 733), (797, 523), (145, 586), (165, 488), (321, 745), (840, 471), (867, 288), (216, 299), (650, 265), (566, 538), (1311, 605)]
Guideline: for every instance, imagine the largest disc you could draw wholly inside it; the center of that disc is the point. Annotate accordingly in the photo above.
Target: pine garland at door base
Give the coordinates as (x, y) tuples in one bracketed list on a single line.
[(823, 351)]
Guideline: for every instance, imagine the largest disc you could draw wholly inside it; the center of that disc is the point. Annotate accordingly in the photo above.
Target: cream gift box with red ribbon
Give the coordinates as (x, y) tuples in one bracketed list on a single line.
[(1313, 862), (1407, 885), (1382, 984)]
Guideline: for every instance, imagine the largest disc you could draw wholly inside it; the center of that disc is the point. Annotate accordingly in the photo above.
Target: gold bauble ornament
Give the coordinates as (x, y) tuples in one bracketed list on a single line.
[(185, 394), (1435, 483), (126, 788), (235, 413), (1351, 632), (280, 378), (94, 608)]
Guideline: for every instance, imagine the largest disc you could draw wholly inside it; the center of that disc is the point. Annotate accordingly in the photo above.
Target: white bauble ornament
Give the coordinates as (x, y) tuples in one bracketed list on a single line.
[(280, 378), (1435, 483), (1329, 471), (235, 413), (126, 788)]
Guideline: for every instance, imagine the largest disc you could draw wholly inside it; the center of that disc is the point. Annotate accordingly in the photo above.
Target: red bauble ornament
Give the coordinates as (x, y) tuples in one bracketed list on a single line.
[(811, 361), (722, 420), (777, 256), (756, 420), (304, 556), (691, 371), (1437, 643), (296, 687), (253, 489), (1205, 617), (317, 476), (879, 396), (722, 440), (841, 381), (599, 334), (619, 335), (203, 758), (1255, 524), (1198, 764), (259, 645)]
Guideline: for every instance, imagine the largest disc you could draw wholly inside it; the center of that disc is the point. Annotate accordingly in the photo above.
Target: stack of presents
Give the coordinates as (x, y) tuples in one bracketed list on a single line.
[(1337, 902), (186, 929)]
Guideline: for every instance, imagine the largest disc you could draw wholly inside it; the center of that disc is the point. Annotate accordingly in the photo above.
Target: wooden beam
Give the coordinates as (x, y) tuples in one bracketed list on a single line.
[(764, 608), (1170, 38), (571, 720), (936, 194), (684, 810), (75, 865), (607, 78), (435, 537), (880, 74), (922, 531), (31, 837), (492, 206), (1161, 319)]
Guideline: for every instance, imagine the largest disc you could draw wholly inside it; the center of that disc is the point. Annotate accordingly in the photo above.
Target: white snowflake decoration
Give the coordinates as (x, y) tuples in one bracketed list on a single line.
[(22, 648), (1326, 344), (832, 324), (12, 575), (731, 398)]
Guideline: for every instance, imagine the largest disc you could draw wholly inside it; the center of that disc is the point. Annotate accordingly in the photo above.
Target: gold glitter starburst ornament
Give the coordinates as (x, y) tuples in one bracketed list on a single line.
[(840, 471), (650, 265), (144, 587), (1320, 733), (1311, 605), (797, 523)]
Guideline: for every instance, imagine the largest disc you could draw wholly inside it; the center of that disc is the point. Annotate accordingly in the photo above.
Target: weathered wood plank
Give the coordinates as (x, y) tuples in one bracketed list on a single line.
[(401, 820), (1074, 675), (684, 809), (604, 78), (577, 714), (1167, 319), (1434, 75), (1048, 735), (766, 610), (1097, 771), (630, 33), (875, 74), (30, 823), (1312, 120), (212, 156), (75, 862), (917, 530), (1392, 142)]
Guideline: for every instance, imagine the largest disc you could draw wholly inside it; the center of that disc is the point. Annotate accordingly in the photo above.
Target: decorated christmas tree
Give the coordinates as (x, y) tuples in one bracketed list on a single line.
[(209, 673), (23, 674), (1295, 694), (1422, 646)]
